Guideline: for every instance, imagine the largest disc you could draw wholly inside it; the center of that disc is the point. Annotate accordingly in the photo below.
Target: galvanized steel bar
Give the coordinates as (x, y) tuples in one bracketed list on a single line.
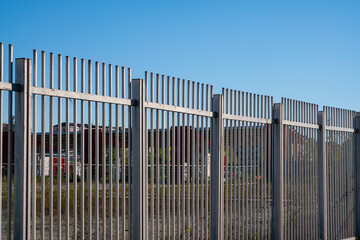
[(33, 156), (357, 166), (103, 155), (217, 168), (79, 96), (90, 152), (59, 159), (82, 155), (74, 168), (10, 143), (278, 170), (139, 166), (51, 150), (21, 148)]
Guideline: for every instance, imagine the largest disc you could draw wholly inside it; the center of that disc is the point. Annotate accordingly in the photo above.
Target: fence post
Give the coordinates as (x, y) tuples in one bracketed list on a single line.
[(22, 119), (217, 168), (139, 164), (357, 175), (278, 173), (322, 175)]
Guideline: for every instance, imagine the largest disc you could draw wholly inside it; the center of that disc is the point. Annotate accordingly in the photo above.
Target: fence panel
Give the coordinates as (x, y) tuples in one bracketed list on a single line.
[(178, 154), (247, 165), (80, 153), (341, 172), (301, 203)]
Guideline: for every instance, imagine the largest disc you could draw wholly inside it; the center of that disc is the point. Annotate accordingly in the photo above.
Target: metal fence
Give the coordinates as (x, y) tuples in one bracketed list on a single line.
[(88, 152)]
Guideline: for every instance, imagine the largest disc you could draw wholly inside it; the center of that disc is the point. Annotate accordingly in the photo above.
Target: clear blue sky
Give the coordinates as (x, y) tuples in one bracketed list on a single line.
[(306, 50)]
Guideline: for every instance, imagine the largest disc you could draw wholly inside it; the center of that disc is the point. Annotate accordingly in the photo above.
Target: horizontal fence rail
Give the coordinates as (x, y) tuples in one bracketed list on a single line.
[(87, 152)]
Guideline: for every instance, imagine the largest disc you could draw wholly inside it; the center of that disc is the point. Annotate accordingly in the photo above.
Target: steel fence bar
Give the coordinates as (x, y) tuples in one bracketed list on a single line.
[(33, 156), (243, 165), (278, 170), (117, 154), (139, 167), (217, 169), (97, 153), (74, 168), (247, 160), (123, 156), (188, 161), (230, 172), (157, 161), (59, 159), (207, 163), (103, 154), (110, 155), (357, 169), (152, 163), (183, 234), (193, 169), (90, 154), (22, 77), (82, 156), (10, 142), (251, 135), (168, 163), (173, 161), (163, 162), (226, 156), (67, 147), (51, 150), (178, 172), (42, 161), (202, 158)]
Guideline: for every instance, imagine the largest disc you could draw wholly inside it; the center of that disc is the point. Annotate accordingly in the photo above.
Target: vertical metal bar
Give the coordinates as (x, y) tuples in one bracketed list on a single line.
[(230, 172), (42, 161), (117, 152), (197, 163), (357, 167), (82, 174), (51, 149), (217, 168), (226, 162), (139, 165), (67, 142), (206, 194), (110, 137), (28, 153), (157, 151), (201, 197), (103, 155), (168, 164), (97, 152), (173, 161), (10, 143), (21, 148), (123, 156), (152, 189), (163, 162), (75, 126), (34, 149), (59, 159), (188, 161), (130, 159), (90, 151), (178, 174), (278, 170), (322, 171), (193, 169), (183, 163)]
